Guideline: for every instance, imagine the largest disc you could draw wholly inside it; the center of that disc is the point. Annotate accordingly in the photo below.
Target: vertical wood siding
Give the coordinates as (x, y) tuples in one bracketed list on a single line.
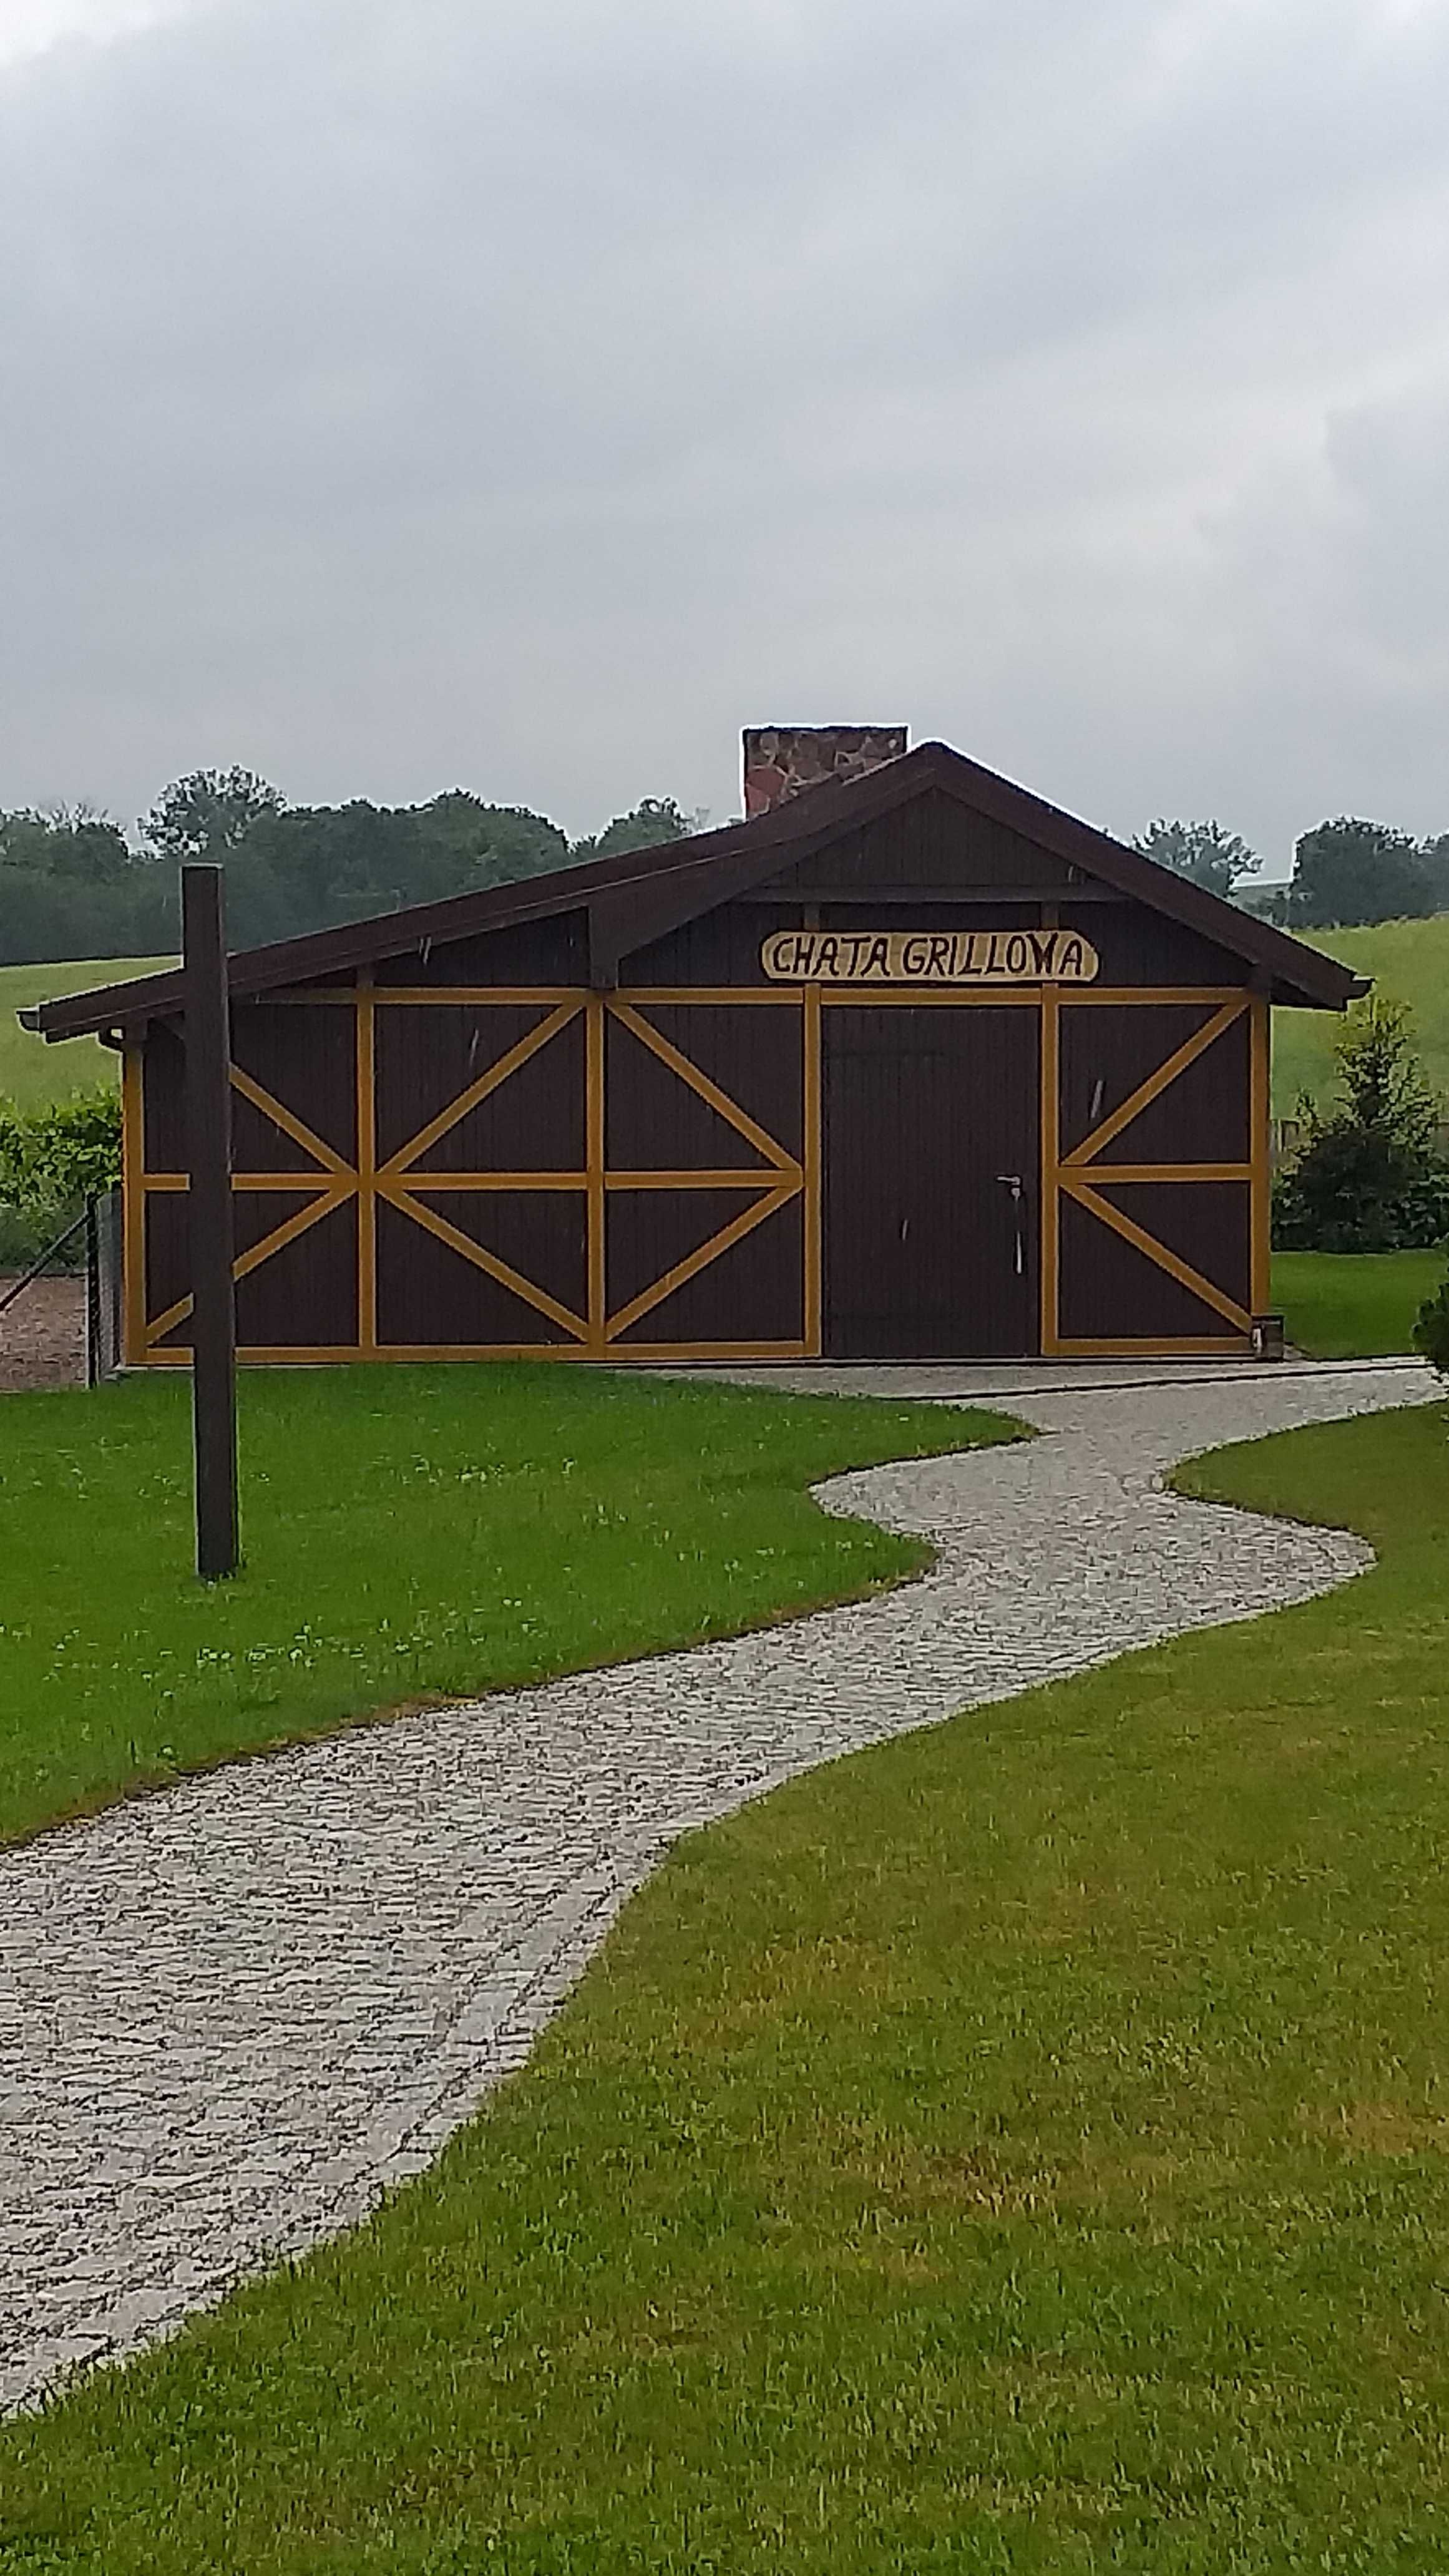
[(759, 1170)]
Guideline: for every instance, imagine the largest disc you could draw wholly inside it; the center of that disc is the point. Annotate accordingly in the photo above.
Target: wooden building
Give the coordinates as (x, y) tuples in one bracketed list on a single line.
[(908, 1065)]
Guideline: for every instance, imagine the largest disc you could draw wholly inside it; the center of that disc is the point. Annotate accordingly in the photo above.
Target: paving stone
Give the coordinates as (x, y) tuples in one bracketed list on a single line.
[(234, 2014)]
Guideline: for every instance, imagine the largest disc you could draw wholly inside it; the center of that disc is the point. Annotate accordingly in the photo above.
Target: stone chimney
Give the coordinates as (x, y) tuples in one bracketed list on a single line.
[(783, 760)]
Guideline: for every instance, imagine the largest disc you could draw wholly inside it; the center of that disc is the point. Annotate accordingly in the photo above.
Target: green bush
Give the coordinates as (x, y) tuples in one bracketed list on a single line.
[(1431, 1332), (51, 1161), (1369, 1177)]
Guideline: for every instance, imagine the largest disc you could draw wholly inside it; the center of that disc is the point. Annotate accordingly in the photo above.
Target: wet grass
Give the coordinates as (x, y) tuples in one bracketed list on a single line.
[(410, 1534), (1353, 1305), (1019, 2147)]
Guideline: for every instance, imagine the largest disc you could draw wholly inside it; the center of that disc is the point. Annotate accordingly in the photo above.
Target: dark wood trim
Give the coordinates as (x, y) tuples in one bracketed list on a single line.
[(984, 896), (209, 1230)]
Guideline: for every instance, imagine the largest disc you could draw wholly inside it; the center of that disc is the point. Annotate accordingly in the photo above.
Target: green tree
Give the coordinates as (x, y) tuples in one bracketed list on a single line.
[(208, 813), (1435, 860), (646, 826), (1351, 871), (1368, 1177), (1203, 852), (489, 844)]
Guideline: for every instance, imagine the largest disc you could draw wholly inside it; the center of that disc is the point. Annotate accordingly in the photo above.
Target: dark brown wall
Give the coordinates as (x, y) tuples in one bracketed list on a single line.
[(921, 1106)]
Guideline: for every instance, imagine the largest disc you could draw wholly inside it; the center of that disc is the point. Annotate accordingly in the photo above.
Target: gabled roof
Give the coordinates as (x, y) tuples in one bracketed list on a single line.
[(641, 895)]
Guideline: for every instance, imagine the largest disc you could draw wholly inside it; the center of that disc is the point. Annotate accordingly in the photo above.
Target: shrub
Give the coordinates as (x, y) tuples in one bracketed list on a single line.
[(1368, 1177), (52, 1160)]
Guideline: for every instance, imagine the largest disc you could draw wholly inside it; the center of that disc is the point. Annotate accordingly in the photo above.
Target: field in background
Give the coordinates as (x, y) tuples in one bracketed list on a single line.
[(32, 1073), (1353, 1305), (1409, 961)]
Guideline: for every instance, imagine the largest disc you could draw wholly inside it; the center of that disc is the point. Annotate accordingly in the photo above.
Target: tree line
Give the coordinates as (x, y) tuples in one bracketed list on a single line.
[(1344, 872), (73, 885)]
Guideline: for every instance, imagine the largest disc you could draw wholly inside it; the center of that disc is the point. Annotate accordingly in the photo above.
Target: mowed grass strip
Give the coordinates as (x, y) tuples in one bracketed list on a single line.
[(1409, 962), (410, 1534), (1022, 2147), (1354, 1305)]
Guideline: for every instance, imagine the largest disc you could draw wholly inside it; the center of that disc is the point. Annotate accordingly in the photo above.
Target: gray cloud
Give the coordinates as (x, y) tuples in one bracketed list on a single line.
[(398, 393)]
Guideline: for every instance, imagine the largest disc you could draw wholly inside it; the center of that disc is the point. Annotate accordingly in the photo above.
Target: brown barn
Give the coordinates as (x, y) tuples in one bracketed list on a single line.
[(907, 1065)]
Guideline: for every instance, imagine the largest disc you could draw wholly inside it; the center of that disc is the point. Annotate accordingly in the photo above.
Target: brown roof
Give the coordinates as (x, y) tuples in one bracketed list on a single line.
[(642, 894)]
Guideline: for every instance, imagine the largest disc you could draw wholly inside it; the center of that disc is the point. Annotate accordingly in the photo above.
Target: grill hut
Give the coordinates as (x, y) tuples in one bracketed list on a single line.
[(908, 1065)]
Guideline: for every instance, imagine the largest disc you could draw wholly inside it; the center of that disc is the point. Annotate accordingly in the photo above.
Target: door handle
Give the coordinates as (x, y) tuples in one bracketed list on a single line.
[(1013, 1181)]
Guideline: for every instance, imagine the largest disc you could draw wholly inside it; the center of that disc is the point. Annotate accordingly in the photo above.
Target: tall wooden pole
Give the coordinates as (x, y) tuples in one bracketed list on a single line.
[(213, 1323)]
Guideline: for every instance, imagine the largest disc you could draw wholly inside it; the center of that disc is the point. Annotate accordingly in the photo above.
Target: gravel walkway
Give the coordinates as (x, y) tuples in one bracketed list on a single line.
[(231, 2014)]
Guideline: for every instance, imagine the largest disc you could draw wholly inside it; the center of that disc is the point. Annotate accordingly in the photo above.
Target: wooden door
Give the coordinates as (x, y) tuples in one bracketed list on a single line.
[(931, 1161)]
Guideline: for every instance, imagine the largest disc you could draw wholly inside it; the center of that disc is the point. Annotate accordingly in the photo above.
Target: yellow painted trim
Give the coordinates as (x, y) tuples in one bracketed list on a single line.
[(177, 1181), (708, 1091), (1086, 1194), (1189, 1346), (647, 997), (734, 1176), (133, 1204), (493, 1180), (705, 1254), (409, 1354), (477, 996), (1083, 997), (1260, 1096), (366, 1169), (398, 1196), (595, 1160), (813, 1149), (416, 996), (1101, 1173), (290, 1124), (453, 1110), (1050, 1223), (298, 1223), (1155, 1084)]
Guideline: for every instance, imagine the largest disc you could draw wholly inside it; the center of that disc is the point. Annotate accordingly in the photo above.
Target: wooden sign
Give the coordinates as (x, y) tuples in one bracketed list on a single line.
[(929, 957)]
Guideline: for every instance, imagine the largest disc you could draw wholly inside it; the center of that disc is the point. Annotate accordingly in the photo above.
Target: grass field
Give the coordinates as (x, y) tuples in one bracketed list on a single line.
[(1410, 963), (409, 1534), (1353, 1305), (1020, 2147), (32, 1073)]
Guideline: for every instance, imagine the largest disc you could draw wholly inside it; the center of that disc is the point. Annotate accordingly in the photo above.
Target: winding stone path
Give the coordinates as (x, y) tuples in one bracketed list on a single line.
[(232, 2014)]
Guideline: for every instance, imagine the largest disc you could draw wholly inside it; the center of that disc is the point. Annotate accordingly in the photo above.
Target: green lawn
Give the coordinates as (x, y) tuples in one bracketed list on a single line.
[(32, 1073), (1353, 1305), (1022, 2147), (1409, 961), (410, 1533)]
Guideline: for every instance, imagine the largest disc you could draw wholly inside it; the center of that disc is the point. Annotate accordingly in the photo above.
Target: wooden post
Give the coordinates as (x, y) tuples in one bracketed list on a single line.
[(213, 1321)]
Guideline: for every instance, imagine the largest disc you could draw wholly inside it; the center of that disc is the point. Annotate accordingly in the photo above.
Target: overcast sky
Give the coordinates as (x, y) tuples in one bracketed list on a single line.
[(398, 394)]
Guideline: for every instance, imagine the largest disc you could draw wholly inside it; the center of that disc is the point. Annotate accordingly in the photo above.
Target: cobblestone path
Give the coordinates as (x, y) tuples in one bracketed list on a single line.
[(231, 2014)]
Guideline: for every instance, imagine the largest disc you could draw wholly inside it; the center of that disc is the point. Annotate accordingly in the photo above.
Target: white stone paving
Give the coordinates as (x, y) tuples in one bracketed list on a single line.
[(233, 2013)]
